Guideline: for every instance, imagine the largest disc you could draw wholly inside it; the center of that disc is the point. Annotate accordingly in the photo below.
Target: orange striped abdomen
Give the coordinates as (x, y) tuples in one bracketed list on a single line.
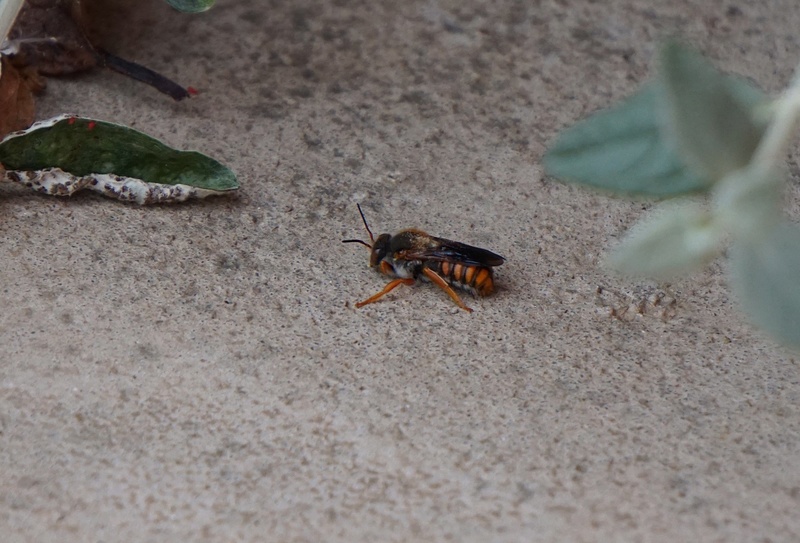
[(478, 280)]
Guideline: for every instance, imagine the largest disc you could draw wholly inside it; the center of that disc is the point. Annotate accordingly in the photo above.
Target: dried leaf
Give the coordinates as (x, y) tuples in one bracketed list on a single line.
[(50, 40), (61, 37), (17, 106)]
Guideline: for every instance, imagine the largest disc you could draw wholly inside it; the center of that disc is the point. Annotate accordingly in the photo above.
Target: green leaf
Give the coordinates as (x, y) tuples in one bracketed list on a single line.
[(679, 238), (623, 150), (748, 201), (191, 6), (83, 147), (710, 117), (766, 277)]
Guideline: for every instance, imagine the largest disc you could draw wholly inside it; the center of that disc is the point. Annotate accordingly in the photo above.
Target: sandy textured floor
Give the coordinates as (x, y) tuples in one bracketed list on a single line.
[(199, 373)]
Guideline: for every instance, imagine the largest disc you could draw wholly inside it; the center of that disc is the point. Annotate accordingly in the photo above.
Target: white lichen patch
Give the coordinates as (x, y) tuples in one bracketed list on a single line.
[(47, 123), (57, 182)]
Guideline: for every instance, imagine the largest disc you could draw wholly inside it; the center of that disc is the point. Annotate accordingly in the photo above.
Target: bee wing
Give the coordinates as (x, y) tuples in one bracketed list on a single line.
[(447, 250)]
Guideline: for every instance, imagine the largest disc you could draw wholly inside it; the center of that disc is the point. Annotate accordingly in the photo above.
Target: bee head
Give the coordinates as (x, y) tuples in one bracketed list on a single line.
[(380, 247)]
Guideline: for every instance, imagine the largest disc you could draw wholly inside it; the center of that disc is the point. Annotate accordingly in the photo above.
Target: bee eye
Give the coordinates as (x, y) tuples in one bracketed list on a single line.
[(380, 248), (377, 255)]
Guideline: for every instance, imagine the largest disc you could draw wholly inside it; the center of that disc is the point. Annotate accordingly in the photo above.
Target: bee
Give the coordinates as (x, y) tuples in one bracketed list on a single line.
[(412, 254)]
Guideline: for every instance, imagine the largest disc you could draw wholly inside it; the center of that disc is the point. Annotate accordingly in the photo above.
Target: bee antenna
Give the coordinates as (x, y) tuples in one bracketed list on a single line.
[(367, 245), (363, 218)]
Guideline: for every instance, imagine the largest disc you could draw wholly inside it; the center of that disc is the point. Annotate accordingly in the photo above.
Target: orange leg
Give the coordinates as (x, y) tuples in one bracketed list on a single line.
[(387, 289), (441, 283), (386, 269)]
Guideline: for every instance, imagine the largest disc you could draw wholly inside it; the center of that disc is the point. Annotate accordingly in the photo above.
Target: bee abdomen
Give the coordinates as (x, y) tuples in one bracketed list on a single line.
[(476, 279)]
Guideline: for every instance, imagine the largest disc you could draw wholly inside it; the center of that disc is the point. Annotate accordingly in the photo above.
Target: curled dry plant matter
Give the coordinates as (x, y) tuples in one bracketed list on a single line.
[(56, 37), (16, 98), (697, 131)]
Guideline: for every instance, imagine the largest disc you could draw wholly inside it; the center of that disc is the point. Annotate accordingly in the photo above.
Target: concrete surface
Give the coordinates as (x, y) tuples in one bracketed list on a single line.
[(199, 373)]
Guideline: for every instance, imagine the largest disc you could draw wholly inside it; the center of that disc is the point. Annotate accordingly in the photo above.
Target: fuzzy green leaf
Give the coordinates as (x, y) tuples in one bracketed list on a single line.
[(679, 238), (83, 147), (766, 277), (710, 117), (622, 149), (749, 201), (191, 6)]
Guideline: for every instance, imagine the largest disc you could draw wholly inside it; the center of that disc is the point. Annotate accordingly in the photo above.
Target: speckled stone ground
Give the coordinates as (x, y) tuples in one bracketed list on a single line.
[(198, 372)]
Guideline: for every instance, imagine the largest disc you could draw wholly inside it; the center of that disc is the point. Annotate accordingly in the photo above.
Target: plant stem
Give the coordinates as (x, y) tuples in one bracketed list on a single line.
[(775, 142)]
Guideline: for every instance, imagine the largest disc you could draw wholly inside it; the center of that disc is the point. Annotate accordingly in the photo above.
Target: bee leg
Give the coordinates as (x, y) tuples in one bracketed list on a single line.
[(441, 283), (387, 289)]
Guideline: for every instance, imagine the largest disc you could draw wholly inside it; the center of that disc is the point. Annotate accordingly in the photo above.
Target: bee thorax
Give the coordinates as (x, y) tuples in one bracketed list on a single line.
[(405, 269)]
